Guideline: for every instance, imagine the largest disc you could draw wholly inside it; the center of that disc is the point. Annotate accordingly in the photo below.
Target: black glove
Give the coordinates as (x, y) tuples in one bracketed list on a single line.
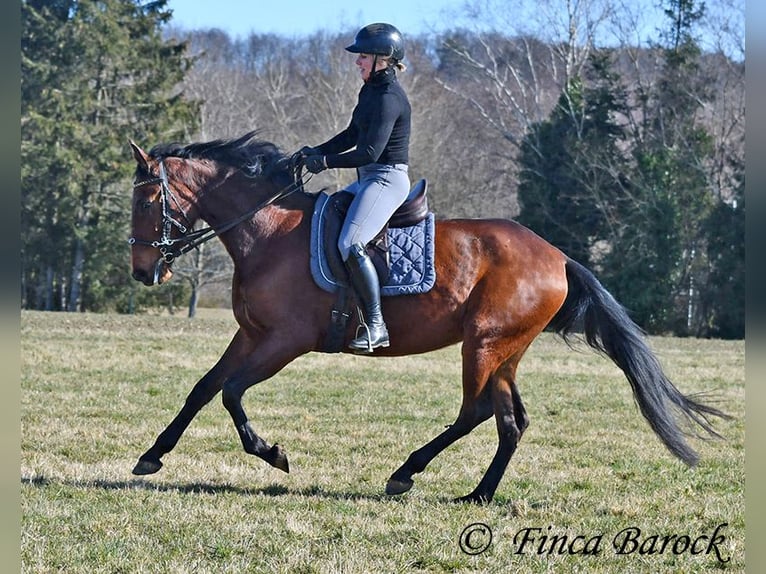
[(315, 163), (306, 151)]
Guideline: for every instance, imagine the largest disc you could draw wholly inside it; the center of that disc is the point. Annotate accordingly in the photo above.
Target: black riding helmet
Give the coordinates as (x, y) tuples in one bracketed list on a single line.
[(379, 39)]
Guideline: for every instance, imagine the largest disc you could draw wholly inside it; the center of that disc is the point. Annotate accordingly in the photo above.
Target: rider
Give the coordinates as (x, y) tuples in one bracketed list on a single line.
[(379, 132)]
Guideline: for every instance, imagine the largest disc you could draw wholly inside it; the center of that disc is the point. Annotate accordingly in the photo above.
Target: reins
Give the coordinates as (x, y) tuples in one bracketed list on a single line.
[(168, 245)]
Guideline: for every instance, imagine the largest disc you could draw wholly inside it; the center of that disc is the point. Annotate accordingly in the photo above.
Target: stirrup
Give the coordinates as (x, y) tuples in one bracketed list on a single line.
[(363, 343)]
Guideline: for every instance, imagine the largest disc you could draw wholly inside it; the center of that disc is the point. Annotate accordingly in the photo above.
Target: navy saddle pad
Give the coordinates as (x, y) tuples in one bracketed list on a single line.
[(404, 258)]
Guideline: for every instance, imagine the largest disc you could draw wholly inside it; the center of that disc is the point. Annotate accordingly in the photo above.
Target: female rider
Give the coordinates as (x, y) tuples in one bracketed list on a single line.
[(379, 134)]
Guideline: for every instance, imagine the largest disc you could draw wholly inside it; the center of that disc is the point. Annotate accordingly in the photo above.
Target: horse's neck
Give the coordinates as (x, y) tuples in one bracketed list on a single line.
[(259, 235)]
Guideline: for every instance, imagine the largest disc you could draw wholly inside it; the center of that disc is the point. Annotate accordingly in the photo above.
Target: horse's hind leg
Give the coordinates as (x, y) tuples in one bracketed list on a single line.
[(472, 413), (476, 408), (512, 421)]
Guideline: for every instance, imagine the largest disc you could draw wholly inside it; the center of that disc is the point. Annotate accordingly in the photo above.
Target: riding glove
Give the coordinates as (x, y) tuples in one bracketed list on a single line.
[(307, 150), (315, 163)]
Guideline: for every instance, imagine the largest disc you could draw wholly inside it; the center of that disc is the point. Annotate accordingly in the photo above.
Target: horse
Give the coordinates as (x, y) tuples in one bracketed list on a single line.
[(498, 286)]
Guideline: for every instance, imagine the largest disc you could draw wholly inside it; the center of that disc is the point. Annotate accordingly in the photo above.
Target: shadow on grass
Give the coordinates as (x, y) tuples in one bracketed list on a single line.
[(273, 490)]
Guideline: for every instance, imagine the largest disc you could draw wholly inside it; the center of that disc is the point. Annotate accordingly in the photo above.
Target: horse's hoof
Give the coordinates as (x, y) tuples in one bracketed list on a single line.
[(147, 467), (472, 499), (394, 487), (278, 459)]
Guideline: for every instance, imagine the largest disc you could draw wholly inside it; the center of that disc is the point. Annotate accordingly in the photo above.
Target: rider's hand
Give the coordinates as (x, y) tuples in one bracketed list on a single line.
[(306, 151), (315, 163)]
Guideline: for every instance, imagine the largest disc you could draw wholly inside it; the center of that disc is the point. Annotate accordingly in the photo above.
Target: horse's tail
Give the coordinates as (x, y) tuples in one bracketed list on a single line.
[(608, 329)]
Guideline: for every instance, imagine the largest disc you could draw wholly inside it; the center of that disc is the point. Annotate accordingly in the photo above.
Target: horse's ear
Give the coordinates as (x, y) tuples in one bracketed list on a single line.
[(141, 157)]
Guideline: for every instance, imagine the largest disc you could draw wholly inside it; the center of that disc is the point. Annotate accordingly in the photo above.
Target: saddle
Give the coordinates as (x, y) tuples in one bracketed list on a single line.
[(414, 209), (402, 252)]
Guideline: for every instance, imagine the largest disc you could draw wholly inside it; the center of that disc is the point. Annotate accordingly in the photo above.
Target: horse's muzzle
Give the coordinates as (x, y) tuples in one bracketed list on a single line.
[(144, 277), (157, 276)]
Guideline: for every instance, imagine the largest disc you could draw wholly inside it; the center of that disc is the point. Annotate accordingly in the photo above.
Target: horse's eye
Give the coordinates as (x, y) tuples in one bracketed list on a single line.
[(145, 204)]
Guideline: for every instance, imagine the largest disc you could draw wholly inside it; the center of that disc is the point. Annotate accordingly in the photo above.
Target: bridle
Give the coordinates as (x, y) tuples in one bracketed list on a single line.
[(173, 247), (166, 244)]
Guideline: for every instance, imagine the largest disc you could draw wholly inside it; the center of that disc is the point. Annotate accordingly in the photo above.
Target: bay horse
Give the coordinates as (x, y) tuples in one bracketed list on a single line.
[(498, 286)]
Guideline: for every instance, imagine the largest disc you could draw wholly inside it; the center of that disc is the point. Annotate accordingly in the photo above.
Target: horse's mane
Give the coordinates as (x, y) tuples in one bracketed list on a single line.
[(253, 156)]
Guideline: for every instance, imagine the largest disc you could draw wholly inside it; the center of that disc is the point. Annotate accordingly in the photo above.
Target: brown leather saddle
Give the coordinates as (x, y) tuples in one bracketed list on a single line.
[(411, 212)]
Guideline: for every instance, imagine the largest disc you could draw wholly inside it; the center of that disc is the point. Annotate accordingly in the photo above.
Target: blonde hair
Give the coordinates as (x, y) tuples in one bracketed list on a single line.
[(400, 67)]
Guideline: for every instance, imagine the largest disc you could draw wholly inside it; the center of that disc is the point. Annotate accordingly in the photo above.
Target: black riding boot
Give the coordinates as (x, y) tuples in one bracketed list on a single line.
[(372, 333)]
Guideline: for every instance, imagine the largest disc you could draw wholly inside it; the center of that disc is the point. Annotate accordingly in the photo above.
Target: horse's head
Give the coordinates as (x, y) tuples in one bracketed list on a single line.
[(167, 196), (159, 220)]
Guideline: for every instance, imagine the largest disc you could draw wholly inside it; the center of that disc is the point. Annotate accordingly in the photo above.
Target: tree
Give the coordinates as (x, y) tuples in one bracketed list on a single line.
[(570, 178), (724, 302), (657, 267), (512, 75), (95, 72)]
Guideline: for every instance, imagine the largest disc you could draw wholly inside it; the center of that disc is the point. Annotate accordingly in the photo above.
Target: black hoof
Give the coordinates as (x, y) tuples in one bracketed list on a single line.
[(144, 467), (394, 487), (278, 459), (473, 499)]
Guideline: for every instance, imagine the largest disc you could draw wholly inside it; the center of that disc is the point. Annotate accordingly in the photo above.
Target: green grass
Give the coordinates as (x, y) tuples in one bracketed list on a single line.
[(97, 389)]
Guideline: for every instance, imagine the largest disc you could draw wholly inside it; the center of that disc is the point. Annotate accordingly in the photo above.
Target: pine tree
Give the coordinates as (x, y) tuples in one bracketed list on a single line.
[(94, 74), (656, 268), (724, 300), (570, 165)]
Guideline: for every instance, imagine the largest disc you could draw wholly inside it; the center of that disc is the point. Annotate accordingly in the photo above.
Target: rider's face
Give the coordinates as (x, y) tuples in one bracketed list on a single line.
[(365, 61)]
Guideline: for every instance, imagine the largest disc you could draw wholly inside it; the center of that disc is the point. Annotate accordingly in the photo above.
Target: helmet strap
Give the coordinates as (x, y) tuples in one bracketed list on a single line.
[(374, 68)]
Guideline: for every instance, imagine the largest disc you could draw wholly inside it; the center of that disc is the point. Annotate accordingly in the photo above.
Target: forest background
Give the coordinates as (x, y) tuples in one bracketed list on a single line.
[(626, 152)]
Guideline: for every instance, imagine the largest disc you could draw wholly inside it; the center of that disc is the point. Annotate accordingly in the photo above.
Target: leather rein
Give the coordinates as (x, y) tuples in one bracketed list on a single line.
[(172, 248)]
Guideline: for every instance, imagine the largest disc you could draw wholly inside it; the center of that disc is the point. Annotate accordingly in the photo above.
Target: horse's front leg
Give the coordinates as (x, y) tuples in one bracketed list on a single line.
[(272, 354), (202, 393)]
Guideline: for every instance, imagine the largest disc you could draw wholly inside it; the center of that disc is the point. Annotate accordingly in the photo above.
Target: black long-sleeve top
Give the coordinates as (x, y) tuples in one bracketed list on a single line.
[(379, 129)]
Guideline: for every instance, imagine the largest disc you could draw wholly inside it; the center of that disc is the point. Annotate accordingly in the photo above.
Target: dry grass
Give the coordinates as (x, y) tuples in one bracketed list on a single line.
[(96, 390)]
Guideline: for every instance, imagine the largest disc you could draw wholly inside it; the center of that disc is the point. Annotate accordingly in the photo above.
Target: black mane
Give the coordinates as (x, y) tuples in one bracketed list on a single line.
[(253, 156)]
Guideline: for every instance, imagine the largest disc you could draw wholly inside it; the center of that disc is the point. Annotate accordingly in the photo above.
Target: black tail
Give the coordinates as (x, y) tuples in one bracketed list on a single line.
[(608, 329)]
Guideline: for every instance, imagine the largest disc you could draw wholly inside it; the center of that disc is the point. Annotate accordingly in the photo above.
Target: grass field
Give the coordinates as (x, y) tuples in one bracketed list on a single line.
[(589, 473)]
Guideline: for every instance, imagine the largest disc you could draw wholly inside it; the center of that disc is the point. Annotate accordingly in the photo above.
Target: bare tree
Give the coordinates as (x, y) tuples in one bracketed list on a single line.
[(517, 68), (206, 267)]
